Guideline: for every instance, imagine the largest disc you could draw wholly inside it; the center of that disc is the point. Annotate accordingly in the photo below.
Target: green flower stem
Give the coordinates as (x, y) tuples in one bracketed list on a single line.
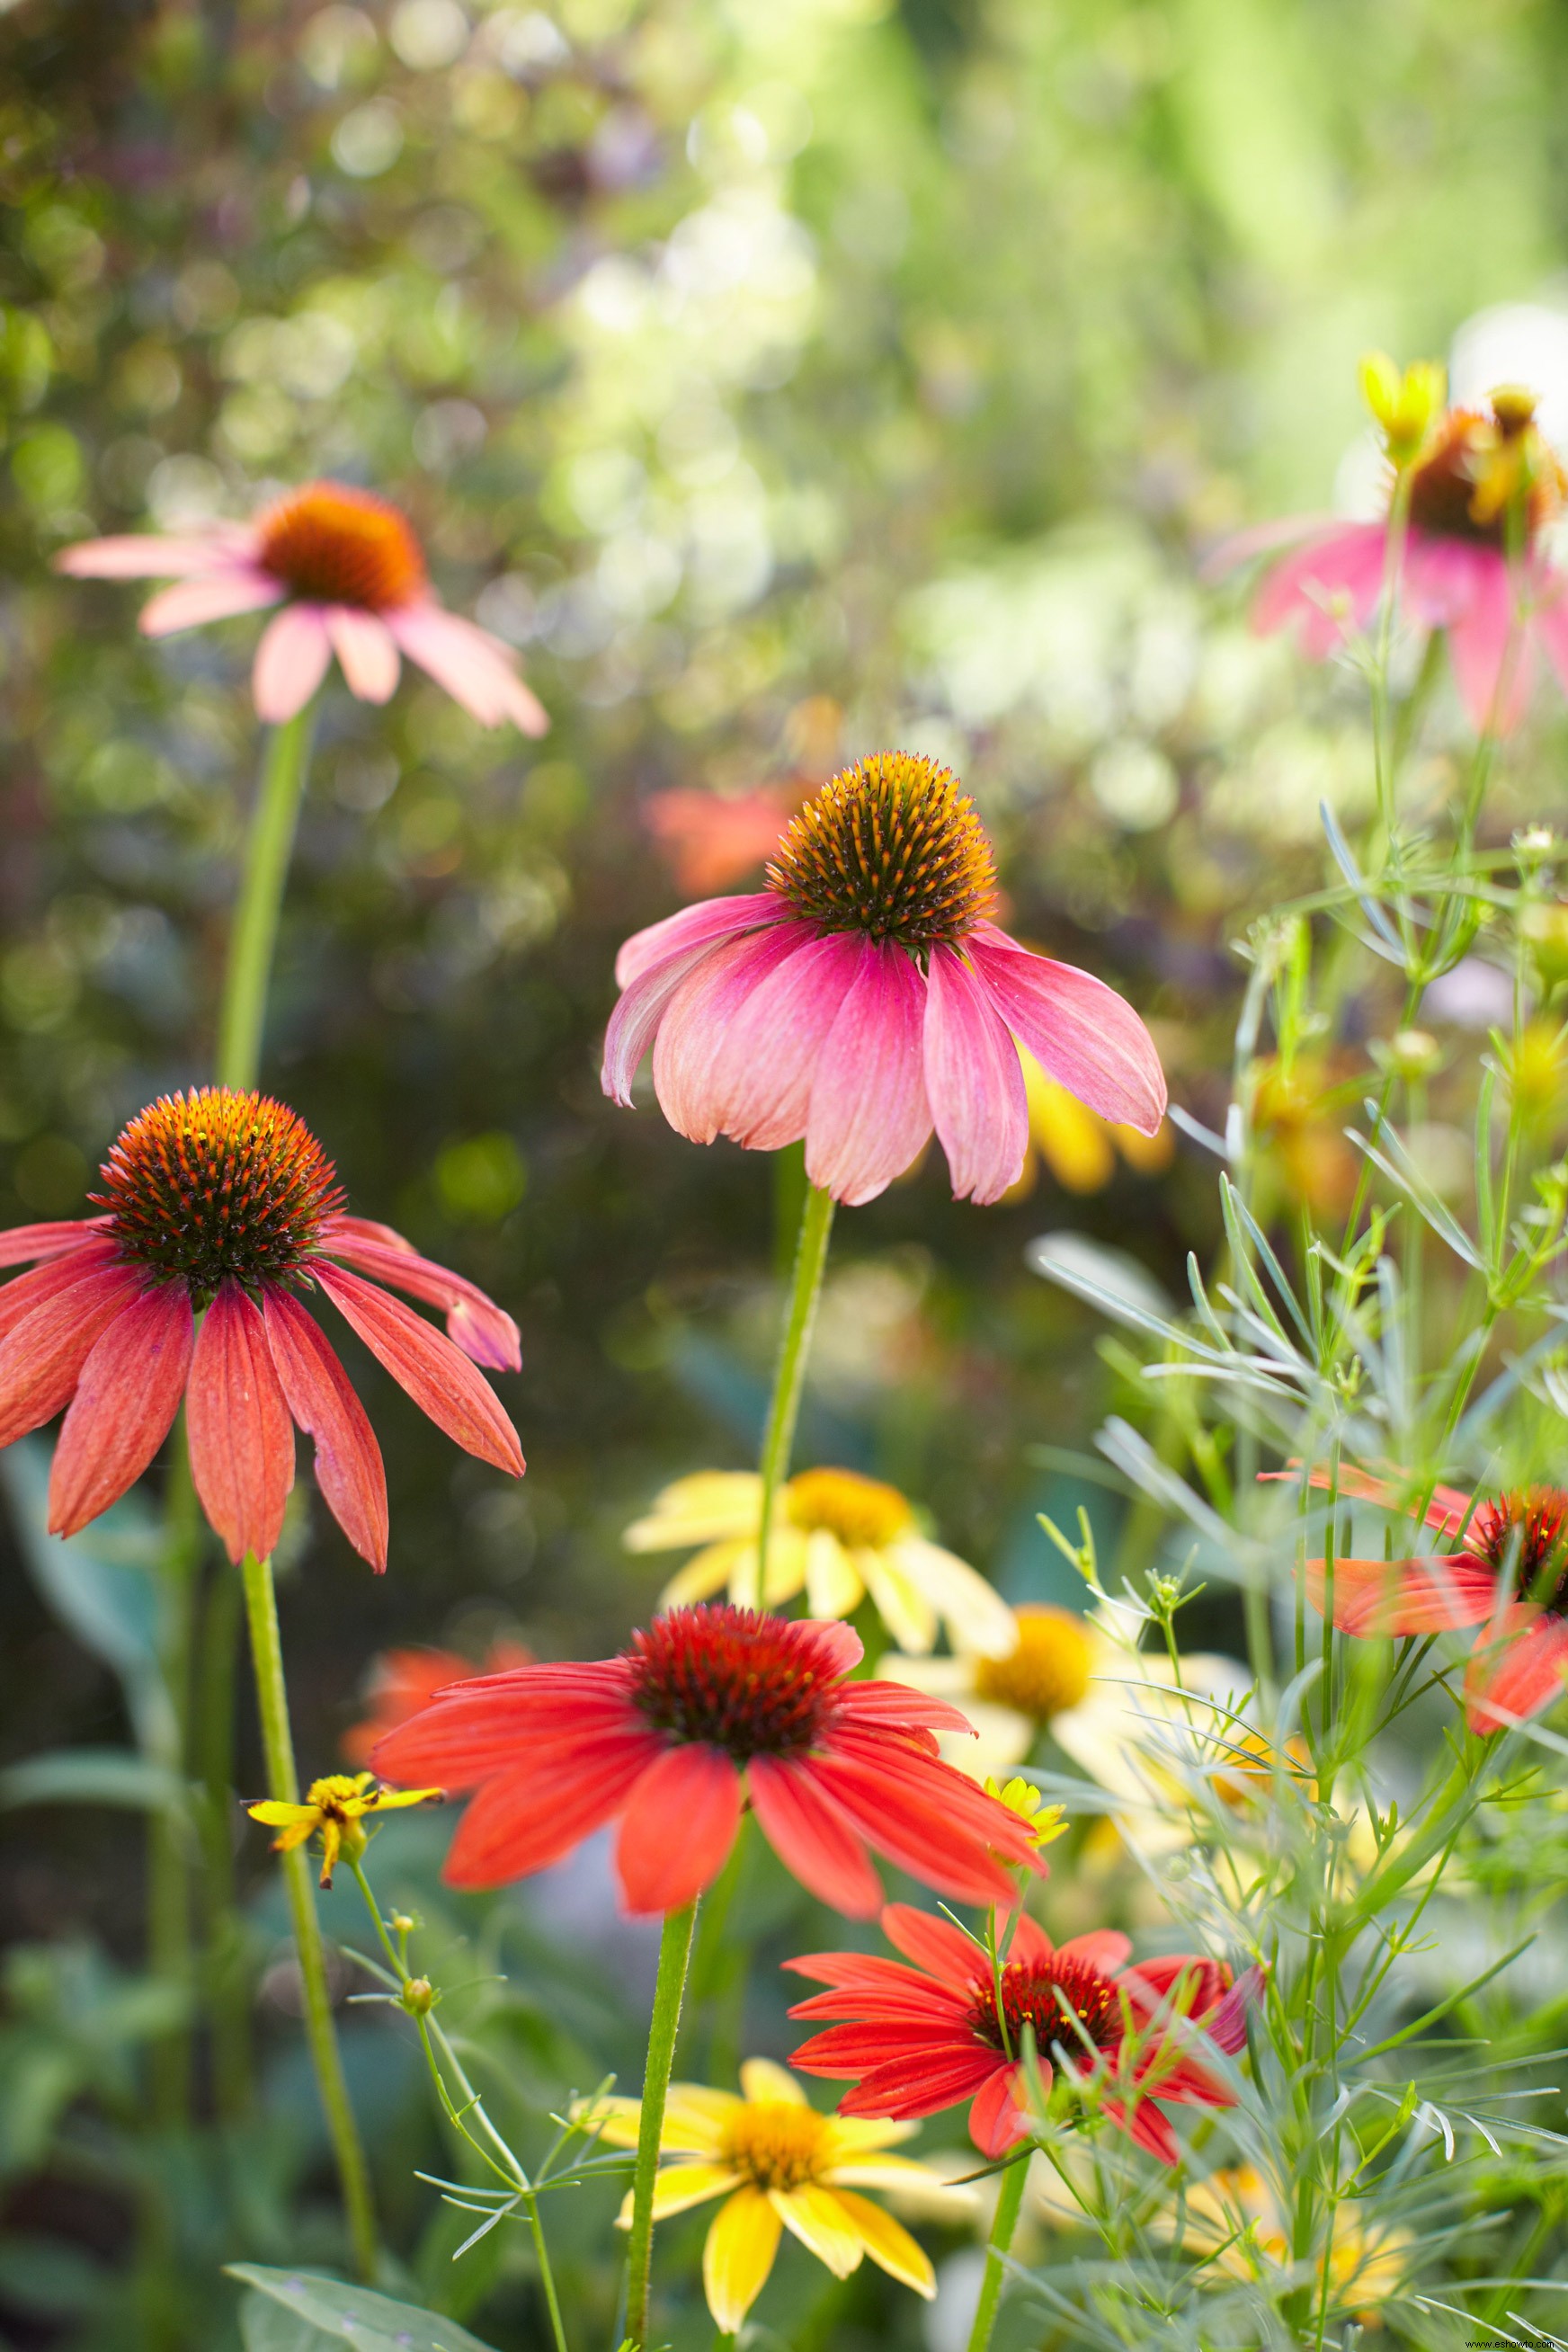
[(168, 1837), (997, 2245), (789, 1376), (283, 1783), (674, 1959), (212, 1739), (268, 849)]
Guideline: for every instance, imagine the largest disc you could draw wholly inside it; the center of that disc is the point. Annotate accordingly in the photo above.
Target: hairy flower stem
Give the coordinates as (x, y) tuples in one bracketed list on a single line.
[(267, 849), (168, 1844), (283, 1782), (789, 1374), (997, 2245), (674, 1959)]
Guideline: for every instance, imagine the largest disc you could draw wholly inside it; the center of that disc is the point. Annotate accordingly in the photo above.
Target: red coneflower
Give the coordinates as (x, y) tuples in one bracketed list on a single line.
[(402, 1682), (708, 1708), (1510, 1575), (918, 2039), (225, 1202)]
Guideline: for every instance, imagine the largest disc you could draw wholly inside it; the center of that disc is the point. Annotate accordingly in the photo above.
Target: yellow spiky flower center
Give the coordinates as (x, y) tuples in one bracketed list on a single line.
[(864, 1514), (1048, 1671), (341, 546), (892, 848), (342, 1796), (775, 2144)]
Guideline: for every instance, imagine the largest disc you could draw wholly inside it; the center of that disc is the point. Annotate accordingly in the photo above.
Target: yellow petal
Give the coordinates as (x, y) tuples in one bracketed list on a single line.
[(695, 2119), (816, 2217), (912, 2186), (901, 1606), (1073, 1143), (887, 2242), (833, 1585), (680, 2186), (943, 1677), (976, 1615), (296, 1834), (278, 1815), (738, 2256), (849, 2137), (766, 2084), (388, 1801), (708, 1573), (787, 1565), (698, 1509), (616, 2120), (332, 1839)]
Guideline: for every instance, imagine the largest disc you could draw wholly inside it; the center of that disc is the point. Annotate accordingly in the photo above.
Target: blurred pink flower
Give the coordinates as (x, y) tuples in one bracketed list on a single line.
[(350, 575), (712, 838), (862, 999), (1456, 575)]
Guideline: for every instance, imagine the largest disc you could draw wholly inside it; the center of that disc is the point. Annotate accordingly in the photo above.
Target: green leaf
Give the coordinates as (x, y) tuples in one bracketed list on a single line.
[(93, 1776), (324, 2311)]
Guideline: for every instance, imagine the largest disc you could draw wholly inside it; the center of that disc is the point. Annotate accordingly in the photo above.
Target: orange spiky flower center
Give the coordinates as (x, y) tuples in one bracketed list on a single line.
[(734, 1678), (1480, 469), (1527, 1531), (892, 848), (341, 546), (1065, 2001), (863, 1513), (216, 1185)]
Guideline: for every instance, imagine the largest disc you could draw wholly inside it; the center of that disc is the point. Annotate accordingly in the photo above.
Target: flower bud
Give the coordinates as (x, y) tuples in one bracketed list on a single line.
[(1413, 1054), (1404, 406), (1544, 928), (418, 1996)]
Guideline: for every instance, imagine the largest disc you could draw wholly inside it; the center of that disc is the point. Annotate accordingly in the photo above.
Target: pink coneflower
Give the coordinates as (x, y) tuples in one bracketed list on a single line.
[(863, 998), (1516, 1543), (915, 2040), (351, 576), (1480, 471), (710, 1709), (224, 1205)]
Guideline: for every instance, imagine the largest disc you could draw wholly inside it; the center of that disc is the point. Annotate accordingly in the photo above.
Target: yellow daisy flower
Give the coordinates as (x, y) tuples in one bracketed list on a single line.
[(837, 1536), (335, 1807), (1237, 2215), (1039, 1679), (779, 2166)]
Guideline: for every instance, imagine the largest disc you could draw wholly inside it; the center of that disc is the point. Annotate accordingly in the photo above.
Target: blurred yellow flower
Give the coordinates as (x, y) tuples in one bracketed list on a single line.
[(779, 2166), (1076, 1144), (837, 1536), (335, 1808), (1011, 1695)]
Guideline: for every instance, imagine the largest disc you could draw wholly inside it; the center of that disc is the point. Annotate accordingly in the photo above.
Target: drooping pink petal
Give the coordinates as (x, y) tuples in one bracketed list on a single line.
[(869, 1119), (1520, 1672), (241, 1438), (52, 1239), (1327, 587), (634, 1023), (144, 555), (481, 1328), (1549, 622), (1264, 539), (1079, 1031), (438, 1376), (997, 2117), (697, 1021), (18, 1299), (698, 926), (475, 668), (812, 1838), (677, 1828), (974, 1082), (210, 596), (127, 1395), (321, 1397), (1491, 654), (43, 1354), (767, 1061), (366, 650), (1443, 576), (1397, 1597), (290, 663)]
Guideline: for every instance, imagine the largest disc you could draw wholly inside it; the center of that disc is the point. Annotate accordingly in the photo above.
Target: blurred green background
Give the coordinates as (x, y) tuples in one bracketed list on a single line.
[(785, 379)]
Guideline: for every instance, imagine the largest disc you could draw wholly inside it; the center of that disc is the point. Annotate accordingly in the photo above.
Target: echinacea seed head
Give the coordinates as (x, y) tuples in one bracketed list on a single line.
[(1478, 470), (216, 1185), (1527, 1531), (892, 848), (734, 1679), (1065, 2001), (341, 546)]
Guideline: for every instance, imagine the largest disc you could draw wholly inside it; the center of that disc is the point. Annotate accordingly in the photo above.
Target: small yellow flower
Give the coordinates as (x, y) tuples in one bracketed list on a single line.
[(1076, 1144), (1237, 2215), (1047, 1822), (335, 1807), (835, 1537), (1404, 405), (779, 2165)]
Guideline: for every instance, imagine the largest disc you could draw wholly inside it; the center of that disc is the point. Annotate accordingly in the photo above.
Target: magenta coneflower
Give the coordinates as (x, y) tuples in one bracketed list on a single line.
[(351, 576), (226, 1203), (916, 2039), (1456, 575), (708, 1709), (863, 998)]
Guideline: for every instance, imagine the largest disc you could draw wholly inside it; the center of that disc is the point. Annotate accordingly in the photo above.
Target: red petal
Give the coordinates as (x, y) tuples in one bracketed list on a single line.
[(440, 1379), (1106, 1950), (875, 1704), (1146, 2126), (242, 1441), (812, 1838), (1520, 1673), (524, 1820), (474, 1322), (321, 1398), (996, 2120), (677, 1828), (28, 1291), (1448, 1511), (44, 1353), (126, 1399), (25, 1242), (870, 2046), (920, 2086), (1406, 1596), (933, 1944)]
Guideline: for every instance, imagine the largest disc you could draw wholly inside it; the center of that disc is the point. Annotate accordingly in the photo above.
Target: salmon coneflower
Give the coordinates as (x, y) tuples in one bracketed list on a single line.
[(917, 2038), (863, 998), (708, 1709), (1509, 1574), (401, 1682), (350, 574), (1481, 492), (223, 1205)]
